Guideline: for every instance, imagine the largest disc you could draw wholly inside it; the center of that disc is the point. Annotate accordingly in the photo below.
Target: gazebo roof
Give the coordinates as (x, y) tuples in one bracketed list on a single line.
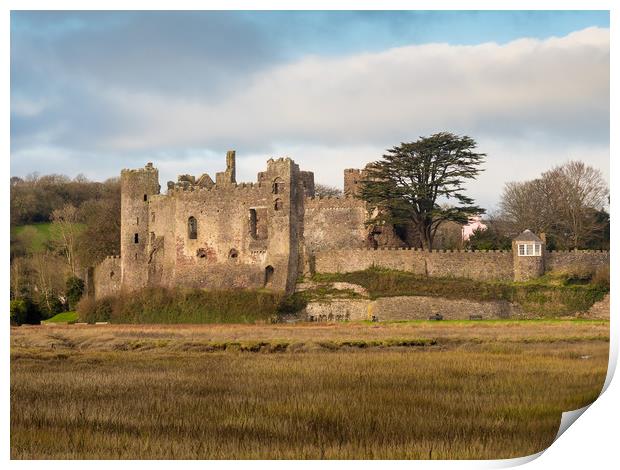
[(527, 236)]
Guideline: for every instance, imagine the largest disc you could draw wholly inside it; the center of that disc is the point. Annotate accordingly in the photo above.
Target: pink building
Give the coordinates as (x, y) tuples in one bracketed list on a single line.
[(474, 224)]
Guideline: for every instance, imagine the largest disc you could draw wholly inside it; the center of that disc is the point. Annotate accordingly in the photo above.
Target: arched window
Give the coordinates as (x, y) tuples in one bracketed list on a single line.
[(278, 186), (277, 204), (192, 228)]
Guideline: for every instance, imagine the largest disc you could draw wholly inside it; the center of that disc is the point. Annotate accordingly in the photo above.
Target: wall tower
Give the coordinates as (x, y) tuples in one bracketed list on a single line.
[(137, 188)]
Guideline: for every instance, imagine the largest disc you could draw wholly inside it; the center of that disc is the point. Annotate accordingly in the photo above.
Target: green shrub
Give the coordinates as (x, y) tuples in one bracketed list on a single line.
[(160, 305), (24, 311), (293, 303), (75, 289), (50, 305)]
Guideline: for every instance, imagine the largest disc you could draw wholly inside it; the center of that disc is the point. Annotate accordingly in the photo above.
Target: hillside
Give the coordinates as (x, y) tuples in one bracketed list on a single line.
[(36, 237)]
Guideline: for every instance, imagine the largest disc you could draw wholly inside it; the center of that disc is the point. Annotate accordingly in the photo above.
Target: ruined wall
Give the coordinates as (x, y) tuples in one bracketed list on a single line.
[(223, 225), (245, 234), (481, 265), (334, 223), (307, 182), (338, 310), (422, 307), (409, 308), (161, 249), (575, 261), (107, 277)]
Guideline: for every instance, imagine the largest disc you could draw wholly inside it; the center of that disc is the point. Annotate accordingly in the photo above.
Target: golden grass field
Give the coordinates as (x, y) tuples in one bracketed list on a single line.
[(412, 390)]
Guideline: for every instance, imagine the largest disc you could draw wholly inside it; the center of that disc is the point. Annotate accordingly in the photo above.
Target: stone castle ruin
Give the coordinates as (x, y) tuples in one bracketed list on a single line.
[(227, 235)]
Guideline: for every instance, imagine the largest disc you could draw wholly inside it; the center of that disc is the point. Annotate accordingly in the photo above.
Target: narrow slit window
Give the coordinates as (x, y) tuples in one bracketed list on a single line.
[(253, 223), (192, 228), (135, 238)]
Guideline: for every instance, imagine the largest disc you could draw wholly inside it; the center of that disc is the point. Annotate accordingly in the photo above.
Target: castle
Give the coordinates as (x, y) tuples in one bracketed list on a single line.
[(225, 235)]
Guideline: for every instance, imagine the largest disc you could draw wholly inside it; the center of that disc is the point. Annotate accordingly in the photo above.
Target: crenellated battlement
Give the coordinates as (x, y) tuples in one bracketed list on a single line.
[(178, 189), (578, 251), (148, 168), (412, 249), (217, 233)]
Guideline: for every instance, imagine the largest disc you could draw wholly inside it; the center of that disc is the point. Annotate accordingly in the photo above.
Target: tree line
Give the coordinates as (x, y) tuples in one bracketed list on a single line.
[(84, 227), (419, 188)]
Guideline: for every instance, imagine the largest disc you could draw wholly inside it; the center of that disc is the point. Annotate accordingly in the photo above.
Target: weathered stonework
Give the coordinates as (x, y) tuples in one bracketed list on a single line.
[(491, 265), (479, 265), (409, 308), (571, 261), (107, 276), (229, 235), (224, 234)]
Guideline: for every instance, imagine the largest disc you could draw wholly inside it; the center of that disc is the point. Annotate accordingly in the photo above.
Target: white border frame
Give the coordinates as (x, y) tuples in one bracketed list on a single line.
[(592, 443)]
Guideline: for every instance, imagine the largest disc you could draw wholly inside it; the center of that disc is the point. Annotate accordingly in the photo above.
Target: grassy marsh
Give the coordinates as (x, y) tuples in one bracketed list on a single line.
[(361, 390)]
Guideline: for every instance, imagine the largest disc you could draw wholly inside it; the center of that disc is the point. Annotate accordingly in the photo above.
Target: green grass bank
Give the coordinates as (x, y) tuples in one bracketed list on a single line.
[(547, 297), (158, 305)]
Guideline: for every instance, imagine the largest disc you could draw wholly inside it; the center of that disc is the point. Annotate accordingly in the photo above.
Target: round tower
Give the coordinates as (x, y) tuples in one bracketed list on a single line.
[(528, 253), (137, 188)]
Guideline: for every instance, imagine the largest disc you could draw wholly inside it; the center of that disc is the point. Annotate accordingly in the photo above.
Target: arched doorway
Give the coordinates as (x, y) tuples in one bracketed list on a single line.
[(268, 275)]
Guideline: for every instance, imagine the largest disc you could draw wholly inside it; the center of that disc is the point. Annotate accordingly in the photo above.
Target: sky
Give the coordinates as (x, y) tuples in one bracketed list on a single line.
[(95, 92)]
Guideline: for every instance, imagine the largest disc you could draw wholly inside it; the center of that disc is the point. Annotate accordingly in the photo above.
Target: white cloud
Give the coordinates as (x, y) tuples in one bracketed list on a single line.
[(555, 87), (530, 104)]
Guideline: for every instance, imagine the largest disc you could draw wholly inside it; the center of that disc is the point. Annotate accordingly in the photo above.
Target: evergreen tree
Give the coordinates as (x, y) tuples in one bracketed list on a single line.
[(414, 180)]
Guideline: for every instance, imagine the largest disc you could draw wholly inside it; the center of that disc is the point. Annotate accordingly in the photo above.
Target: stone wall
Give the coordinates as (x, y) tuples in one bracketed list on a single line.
[(246, 235), (422, 307), (244, 238), (334, 223), (575, 261), (107, 277), (481, 265), (338, 310), (409, 308)]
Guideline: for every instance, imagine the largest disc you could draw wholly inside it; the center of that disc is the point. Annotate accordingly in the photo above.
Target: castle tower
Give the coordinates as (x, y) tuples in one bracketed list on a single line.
[(352, 181), (286, 195), (137, 188), (528, 253)]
